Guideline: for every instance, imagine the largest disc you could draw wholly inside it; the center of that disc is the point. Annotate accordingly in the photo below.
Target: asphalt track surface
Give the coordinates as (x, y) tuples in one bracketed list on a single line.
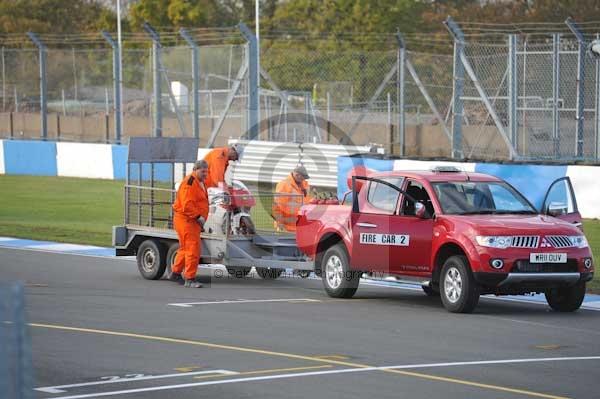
[(99, 330)]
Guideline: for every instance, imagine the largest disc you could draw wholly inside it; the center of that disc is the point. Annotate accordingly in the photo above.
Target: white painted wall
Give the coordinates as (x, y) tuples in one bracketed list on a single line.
[(586, 184), (84, 160)]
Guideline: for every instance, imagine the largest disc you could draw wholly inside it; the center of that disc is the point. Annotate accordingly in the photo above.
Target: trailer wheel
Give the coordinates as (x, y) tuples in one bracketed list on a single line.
[(238, 271), (304, 273), (339, 281), (151, 259), (566, 299), (268, 274), (171, 254)]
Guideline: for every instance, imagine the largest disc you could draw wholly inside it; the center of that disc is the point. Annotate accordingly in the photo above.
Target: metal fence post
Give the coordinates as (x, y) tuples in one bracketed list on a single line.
[(401, 60), (156, 78), (579, 116), (512, 89), (43, 100), (597, 107), (253, 92), (555, 92), (116, 85), (457, 87), (196, 79), (3, 81)]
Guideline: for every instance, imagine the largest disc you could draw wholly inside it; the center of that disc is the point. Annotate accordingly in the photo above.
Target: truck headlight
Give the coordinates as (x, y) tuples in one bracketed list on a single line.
[(494, 241), (579, 241)]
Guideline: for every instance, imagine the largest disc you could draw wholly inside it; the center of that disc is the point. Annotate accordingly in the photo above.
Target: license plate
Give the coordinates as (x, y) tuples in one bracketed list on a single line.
[(548, 258)]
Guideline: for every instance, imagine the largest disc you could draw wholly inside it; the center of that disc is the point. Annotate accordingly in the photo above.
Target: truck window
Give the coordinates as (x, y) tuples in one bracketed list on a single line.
[(384, 197), (418, 192), (462, 198)]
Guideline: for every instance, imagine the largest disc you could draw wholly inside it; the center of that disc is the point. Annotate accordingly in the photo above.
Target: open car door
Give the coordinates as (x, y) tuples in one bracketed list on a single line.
[(560, 202)]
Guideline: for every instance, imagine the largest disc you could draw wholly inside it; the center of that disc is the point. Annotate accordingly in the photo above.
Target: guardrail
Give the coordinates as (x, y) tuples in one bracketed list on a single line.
[(271, 162)]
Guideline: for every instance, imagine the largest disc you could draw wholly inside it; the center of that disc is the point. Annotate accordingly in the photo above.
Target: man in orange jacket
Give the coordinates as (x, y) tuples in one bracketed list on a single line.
[(218, 159), (290, 194), (191, 211)]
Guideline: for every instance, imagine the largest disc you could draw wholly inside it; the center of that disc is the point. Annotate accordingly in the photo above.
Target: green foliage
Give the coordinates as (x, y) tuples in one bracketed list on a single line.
[(53, 16)]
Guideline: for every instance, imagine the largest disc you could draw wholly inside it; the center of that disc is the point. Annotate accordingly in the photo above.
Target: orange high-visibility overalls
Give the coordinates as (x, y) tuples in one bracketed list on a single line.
[(288, 200), (191, 203), (217, 160)]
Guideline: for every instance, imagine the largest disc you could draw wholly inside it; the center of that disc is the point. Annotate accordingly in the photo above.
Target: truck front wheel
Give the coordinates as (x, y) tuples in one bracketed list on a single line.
[(458, 289), (566, 299), (339, 281), (151, 259)]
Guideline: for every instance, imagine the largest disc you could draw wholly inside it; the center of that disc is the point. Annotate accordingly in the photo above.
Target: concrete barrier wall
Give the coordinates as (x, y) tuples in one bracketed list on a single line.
[(531, 180), (106, 161)]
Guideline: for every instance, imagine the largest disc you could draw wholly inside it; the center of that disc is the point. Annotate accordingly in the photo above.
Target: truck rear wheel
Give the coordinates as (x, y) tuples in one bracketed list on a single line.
[(151, 259), (458, 289), (566, 299), (268, 274), (339, 281)]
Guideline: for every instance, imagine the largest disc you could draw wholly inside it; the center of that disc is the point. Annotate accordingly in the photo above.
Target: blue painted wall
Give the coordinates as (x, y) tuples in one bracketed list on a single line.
[(30, 158)]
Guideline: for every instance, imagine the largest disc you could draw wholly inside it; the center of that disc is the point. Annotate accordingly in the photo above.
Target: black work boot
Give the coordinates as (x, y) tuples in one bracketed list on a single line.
[(176, 278), (192, 284)]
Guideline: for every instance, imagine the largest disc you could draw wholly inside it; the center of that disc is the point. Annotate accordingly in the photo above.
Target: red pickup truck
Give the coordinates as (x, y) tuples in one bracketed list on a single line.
[(460, 235)]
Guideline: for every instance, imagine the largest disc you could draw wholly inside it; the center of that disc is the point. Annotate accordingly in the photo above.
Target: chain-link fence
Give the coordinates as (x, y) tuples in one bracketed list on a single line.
[(517, 95)]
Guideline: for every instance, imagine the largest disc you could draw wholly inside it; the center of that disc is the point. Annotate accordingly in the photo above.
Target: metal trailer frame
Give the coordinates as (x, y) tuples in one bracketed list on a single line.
[(268, 250)]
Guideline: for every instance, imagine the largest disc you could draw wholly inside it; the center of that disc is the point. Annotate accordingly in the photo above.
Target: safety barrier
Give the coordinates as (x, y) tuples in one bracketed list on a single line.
[(270, 162), (530, 179)]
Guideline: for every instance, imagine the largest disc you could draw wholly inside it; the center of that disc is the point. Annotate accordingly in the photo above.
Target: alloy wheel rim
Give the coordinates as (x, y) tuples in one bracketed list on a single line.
[(453, 285), (334, 271)]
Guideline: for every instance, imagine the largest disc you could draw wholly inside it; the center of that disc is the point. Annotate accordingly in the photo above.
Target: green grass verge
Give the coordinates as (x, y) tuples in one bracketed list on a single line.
[(60, 209), (83, 211)]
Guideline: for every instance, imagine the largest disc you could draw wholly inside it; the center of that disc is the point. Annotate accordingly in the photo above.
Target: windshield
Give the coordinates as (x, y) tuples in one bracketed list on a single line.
[(464, 198)]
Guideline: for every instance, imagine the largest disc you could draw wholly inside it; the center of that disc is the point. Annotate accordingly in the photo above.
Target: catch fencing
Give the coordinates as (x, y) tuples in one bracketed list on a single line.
[(480, 91)]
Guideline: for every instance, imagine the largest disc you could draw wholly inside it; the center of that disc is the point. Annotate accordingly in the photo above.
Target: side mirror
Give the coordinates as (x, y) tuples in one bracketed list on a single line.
[(420, 211), (557, 209)]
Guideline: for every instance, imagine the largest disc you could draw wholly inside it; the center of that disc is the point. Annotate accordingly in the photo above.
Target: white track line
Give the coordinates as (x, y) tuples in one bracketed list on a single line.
[(61, 388), (190, 304), (328, 372)]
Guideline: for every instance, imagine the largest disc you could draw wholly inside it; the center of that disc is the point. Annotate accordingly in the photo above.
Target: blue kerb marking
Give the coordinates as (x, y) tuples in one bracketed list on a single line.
[(36, 158)]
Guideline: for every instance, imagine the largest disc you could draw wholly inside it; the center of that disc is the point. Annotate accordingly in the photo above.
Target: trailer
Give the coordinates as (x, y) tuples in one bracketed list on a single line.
[(154, 168)]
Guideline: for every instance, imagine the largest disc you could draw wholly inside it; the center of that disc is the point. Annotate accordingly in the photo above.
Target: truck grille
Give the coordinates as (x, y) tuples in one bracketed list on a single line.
[(524, 266), (525, 241), (559, 241)]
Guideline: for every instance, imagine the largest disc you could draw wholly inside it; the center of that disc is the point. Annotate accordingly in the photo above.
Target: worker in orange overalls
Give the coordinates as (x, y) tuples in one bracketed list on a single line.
[(290, 194), (191, 211), (218, 160)]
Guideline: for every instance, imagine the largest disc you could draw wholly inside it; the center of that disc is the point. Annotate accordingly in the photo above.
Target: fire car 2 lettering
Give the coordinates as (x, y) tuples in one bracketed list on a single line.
[(401, 240)]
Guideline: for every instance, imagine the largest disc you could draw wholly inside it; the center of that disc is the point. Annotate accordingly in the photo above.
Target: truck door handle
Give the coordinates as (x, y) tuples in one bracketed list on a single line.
[(368, 225)]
